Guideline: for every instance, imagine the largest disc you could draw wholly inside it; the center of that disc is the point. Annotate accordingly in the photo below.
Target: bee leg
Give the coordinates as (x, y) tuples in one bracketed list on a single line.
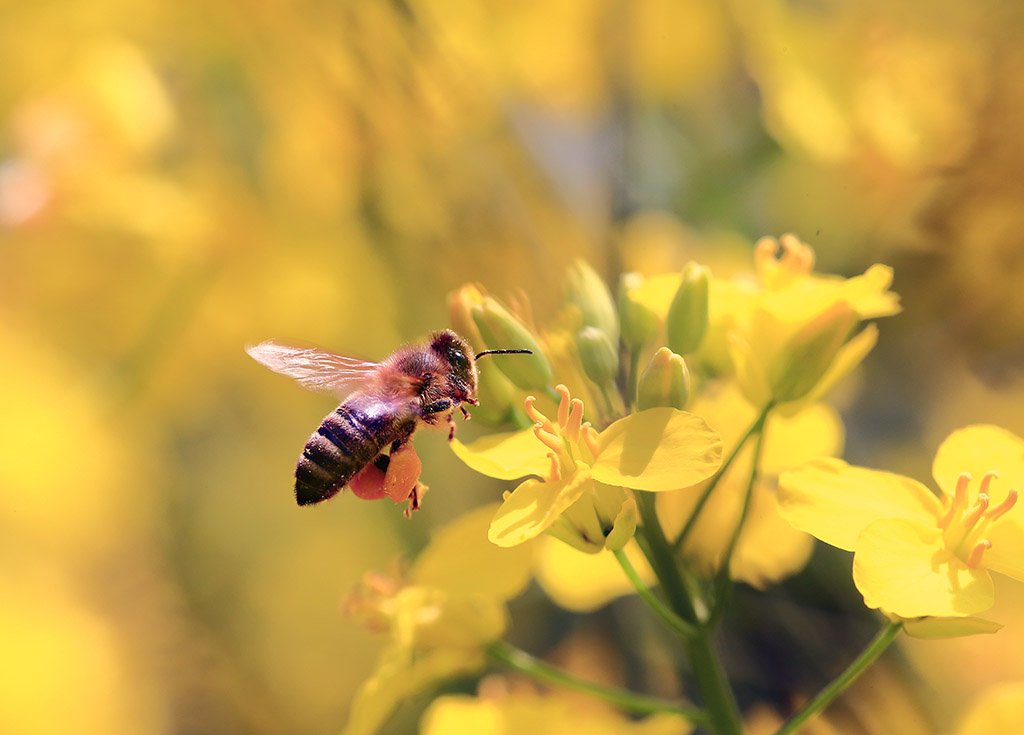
[(403, 473), (466, 415), (451, 427), (439, 406)]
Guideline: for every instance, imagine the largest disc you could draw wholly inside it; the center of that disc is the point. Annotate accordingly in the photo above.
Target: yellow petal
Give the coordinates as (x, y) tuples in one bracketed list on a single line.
[(847, 358), (507, 456), (769, 549), (790, 441), (869, 294), (835, 501), (460, 560), (584, 582), (979, 449), (534, 506), (1007, 553), (399, 676), (949, 627), (657, 449), (901, 567)]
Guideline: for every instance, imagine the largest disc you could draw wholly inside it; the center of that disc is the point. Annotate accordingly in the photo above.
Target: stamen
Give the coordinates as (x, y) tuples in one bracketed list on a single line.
[(555, 474), (1003, 507), (958, 501), (575, 422), (977, 511), (551, 441), (563, 405), (536, 416), (590, 438), (987, 480), (977, 552)]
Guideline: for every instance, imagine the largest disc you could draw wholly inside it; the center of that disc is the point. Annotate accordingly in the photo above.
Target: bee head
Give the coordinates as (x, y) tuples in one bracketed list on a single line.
[(456, 351)]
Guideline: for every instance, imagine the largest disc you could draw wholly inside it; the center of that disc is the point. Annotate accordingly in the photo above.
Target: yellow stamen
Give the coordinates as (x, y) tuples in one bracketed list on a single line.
[(976, 553), (575, 420), (536, 416), (987, 480), (551, 441), (1003, 507), (958, 501), (977, 511), (590, 438), (555, 474), (563, 405)]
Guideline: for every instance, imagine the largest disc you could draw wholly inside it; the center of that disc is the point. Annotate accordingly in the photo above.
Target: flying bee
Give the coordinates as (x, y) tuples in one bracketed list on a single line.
[(365, 442)]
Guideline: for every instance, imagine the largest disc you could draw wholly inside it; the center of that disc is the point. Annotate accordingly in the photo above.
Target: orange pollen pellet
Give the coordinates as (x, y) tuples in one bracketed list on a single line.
[(977, 552)]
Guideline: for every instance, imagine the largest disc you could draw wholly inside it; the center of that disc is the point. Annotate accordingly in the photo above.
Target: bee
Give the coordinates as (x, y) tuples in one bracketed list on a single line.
[(365, 443)]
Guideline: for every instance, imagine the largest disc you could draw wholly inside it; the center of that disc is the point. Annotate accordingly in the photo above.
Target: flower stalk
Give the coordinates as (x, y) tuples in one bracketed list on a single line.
[(841, 683), (519, 660)]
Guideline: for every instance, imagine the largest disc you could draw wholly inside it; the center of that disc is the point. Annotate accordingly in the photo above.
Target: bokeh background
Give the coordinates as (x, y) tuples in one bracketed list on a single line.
[(180, 180)]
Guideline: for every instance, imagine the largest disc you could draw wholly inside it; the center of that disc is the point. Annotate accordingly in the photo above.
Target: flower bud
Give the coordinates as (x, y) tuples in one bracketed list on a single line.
[(688, 315), (598, 355), (638, 323), (587, 291), (664, 382), (810, 352), (604, 518), (501, 330), (460, 310)]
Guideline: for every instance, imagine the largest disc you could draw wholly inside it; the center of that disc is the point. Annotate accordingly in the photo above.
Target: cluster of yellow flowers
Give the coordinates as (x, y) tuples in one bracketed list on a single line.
[(696, 452)]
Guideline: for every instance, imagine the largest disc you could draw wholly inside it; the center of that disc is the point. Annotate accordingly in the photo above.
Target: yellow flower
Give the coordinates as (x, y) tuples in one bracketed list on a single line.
[(583, 495), (793, 340), (768, 548), (551, 714), (440, 619), (915, 554)]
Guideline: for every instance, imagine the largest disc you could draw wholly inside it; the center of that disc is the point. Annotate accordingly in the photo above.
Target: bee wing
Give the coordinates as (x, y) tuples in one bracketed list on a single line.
[(313, 369)]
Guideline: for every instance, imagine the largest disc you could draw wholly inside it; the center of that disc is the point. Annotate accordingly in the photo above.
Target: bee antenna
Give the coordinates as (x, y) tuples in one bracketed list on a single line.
[(503, 352)]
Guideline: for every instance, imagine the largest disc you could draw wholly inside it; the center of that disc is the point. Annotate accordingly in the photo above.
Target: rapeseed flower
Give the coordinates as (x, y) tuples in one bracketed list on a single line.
[(916, 554), (791, 336), (581, 478), (440, 617)]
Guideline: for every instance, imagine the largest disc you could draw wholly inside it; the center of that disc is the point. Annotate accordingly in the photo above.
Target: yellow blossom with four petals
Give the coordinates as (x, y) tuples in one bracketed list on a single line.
[(581, 480), (916, 554)]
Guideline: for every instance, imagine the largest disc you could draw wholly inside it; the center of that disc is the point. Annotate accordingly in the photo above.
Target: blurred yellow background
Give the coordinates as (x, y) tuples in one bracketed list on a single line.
[(178, 181)]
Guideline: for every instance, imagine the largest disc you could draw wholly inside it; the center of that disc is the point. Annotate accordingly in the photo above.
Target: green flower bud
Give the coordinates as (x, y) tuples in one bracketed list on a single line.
[(664, 382), (501, 330), (588, 292), (603, 518), (598, 355), (688, 315), (639, 324), (810, 352)]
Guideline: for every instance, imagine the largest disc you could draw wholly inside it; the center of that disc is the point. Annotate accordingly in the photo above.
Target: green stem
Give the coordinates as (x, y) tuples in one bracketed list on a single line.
[(631, 378), (706, 495), (521, 661), (722, 577), (676, 623), (719, 701), (826, 696)]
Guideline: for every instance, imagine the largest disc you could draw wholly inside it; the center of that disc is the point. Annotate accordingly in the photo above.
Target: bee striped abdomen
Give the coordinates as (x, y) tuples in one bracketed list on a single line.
[(343, 445)]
